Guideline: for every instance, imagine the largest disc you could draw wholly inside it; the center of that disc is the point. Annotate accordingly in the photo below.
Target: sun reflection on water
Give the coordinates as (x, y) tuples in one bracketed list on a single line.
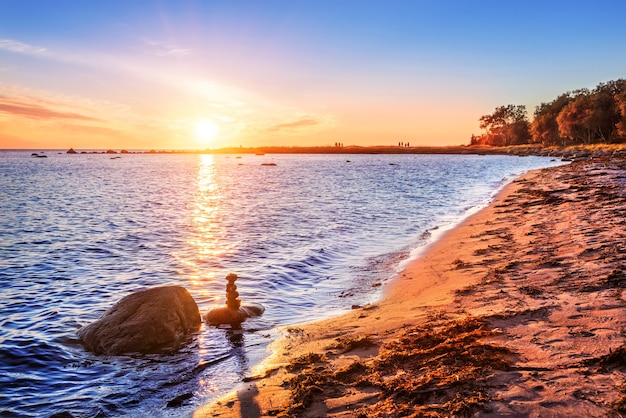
[(208, 236)]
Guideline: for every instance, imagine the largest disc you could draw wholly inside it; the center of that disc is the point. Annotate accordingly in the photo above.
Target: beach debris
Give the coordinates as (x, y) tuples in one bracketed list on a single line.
[(426, 371), (345, 344), (605, 364), (156, 320), (303, 388), (460, 264), (233, 313), (306, 360)]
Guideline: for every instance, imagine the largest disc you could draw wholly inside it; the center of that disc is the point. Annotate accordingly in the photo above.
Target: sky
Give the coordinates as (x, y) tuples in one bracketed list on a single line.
[(192, 74)]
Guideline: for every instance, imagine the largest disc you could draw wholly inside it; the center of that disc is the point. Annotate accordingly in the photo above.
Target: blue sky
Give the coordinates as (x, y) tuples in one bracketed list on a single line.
[(146, 73)]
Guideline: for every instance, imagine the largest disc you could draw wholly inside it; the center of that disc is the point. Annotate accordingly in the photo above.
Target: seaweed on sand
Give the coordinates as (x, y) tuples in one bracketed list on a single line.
[(615, 359), (305, 385), (438, 372), (345, 344), (617, 278), (492, 276), (306, 360), (432, 371), (460, 264)]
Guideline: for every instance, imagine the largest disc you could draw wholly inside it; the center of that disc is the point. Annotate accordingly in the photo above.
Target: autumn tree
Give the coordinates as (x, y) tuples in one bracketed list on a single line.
[(619, 92), (572, 119), (605, 113), (544, 128), (621, 124), (580, 117), (507, 125), (592, 116)]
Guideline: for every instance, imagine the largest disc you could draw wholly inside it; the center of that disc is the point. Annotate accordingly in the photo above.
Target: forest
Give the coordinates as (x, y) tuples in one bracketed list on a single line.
[(579, 117)]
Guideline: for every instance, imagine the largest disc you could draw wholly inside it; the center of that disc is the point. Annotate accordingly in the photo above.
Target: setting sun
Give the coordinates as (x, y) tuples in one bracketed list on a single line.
[(206, 130)]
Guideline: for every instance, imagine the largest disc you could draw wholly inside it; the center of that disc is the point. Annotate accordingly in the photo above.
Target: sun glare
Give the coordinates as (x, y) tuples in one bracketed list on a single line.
[(206, 130)]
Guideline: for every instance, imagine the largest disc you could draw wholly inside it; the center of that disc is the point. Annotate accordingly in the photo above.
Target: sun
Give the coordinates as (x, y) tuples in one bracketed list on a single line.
[(206, 130)]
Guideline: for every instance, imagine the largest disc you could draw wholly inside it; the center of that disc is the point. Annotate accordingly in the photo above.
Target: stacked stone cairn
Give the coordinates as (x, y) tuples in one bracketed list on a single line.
[(233, 313), (232, 296)]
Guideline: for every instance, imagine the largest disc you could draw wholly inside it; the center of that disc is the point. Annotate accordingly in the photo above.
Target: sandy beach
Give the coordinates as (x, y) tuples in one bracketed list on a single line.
[(519, 311)]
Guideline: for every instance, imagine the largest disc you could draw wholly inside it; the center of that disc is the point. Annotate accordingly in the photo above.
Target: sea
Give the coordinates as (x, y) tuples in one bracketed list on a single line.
[(308, 235)]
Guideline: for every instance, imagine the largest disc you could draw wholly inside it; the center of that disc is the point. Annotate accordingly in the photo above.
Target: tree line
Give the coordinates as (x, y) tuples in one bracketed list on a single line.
[(579, 117)]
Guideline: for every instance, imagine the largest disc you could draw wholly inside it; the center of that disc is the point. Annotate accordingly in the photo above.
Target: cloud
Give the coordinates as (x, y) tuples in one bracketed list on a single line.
[(38, 112), (21, 47), (304, 122), (163, 49)]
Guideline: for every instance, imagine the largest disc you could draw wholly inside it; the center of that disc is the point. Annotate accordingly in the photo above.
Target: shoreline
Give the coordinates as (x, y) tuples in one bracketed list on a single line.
[(569, 153), (533, 283)]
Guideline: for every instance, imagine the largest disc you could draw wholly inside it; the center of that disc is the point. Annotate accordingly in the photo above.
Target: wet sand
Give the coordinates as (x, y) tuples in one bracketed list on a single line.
[(519, 311)]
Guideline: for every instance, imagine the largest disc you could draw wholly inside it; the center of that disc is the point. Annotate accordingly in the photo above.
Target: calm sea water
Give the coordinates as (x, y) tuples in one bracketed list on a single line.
[(308, 238)]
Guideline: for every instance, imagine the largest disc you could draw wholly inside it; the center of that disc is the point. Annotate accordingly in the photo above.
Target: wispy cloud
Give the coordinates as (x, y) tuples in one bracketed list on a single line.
[(20, 47), (301, 123), (162, 49), (50, 116), (38, 112)]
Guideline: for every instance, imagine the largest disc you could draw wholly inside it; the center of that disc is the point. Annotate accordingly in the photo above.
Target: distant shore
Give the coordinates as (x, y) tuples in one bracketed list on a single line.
[(518, 311), (573, 152)]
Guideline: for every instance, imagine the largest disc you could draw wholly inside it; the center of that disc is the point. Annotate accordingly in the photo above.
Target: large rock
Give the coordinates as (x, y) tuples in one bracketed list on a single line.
[(155, 320)]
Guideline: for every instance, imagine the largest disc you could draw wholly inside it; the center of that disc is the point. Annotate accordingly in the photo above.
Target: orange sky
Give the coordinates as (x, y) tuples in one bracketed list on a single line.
[(43, 119), (144, 74)]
